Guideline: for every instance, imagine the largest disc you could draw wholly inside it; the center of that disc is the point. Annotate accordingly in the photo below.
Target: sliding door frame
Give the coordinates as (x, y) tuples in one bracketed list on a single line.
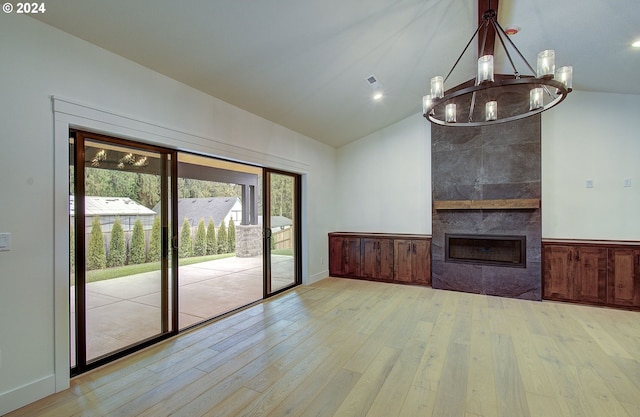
[(266, 216), (168, 273)]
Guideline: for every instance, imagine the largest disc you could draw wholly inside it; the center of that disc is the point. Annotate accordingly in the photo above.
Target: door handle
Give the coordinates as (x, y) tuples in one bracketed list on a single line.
[(267, 233)]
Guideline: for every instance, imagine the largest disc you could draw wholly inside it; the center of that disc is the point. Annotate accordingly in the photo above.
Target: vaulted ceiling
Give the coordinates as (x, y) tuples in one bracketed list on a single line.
[(304, 63)]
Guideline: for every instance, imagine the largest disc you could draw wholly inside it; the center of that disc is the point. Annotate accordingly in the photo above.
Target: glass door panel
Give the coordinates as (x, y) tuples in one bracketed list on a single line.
[(121, 289), (282, 234), (220, 240)]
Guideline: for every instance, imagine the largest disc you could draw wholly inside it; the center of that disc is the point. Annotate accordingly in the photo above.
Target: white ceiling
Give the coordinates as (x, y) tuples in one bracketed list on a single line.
[(303, 63)]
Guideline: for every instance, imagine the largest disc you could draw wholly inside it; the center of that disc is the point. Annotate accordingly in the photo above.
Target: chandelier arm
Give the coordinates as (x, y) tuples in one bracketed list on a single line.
[(506, 51), (484, 39), (545, 88), (472, 106), (514, 46), (464, 50)]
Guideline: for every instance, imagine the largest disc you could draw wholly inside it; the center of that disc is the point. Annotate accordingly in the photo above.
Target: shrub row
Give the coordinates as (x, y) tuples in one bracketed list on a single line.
[(206, 243)]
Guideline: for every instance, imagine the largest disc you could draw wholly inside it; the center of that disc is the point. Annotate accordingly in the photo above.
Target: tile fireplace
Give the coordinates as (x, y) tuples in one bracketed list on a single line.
[(486, 221)]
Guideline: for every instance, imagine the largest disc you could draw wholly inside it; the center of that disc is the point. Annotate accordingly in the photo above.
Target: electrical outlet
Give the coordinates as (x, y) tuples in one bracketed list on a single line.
[(321, 261), (589, 183), (627, 182)]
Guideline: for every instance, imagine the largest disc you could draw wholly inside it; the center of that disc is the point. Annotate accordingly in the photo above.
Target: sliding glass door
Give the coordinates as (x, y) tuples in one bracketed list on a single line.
[(164, 240)]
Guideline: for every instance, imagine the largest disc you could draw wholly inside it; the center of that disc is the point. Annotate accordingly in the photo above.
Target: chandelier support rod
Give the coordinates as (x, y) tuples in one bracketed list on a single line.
[(506, 51), (513, 45), (483, 43), (472, 106), (464, 50), (500, 32)]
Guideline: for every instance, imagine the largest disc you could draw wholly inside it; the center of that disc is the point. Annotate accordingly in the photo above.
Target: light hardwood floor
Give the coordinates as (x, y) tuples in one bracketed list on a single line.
[(353, 348)]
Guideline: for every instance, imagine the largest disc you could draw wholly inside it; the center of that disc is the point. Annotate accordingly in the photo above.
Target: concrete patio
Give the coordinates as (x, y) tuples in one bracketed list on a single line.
[(123, 311)]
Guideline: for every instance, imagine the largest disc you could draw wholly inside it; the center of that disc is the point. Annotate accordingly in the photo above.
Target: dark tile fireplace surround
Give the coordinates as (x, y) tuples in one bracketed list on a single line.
[(487, 164)]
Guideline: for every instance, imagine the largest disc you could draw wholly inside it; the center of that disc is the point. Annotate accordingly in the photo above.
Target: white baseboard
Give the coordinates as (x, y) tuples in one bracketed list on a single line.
[(26, 394), (317, 277)]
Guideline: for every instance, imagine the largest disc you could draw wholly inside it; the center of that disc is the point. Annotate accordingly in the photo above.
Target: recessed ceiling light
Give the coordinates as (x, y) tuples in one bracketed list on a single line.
[(376, 85), (636, 44)]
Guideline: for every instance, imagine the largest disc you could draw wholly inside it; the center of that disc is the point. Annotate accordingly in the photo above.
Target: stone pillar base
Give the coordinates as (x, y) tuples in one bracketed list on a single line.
[(248, 240)]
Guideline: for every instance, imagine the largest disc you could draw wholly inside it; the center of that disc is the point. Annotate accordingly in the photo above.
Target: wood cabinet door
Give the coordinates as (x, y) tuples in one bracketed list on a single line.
[(370, 257), (385, 247), (558, 272), (335, 255), (624, 277), (351, 257), (377, 258), (344, 256), (402, 260), (421, 262), (590, 280)]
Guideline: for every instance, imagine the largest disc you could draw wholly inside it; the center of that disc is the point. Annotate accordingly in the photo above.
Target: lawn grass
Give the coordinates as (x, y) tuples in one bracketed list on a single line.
[(123, 271)]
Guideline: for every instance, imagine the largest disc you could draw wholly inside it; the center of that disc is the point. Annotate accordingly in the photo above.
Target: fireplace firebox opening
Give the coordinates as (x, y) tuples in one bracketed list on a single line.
[(493, 250)]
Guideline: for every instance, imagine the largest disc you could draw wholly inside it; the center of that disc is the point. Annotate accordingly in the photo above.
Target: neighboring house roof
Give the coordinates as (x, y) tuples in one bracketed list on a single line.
[(277, 221), (111, 206), (195, 209)]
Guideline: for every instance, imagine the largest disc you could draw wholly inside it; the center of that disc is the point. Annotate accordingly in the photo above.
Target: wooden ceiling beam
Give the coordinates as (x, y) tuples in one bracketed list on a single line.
[(490, 41)]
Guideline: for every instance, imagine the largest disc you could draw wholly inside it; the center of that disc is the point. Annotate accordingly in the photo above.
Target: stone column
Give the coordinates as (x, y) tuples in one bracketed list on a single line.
[(248, 240)]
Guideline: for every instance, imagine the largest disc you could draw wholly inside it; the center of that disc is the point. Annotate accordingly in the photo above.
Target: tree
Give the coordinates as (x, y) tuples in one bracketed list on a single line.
[(154, 242), (137, 253), (117, 247), (192, 188), (223, 241), (96, 257), (109, 183), (231, 236), (148, 189), (200, 246), (186, 243), (212, 245), (282, 187)]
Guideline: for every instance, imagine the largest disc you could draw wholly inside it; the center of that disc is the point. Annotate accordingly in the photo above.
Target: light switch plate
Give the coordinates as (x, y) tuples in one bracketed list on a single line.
[(627, 182), (589, 183), (5, 242)]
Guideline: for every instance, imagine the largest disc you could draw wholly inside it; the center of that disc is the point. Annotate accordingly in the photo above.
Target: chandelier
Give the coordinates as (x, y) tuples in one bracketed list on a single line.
[(490, 99)]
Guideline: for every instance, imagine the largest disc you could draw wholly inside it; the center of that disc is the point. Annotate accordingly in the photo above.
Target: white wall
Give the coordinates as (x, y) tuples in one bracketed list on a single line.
[(384, 180), (38, 62), (591, 136)]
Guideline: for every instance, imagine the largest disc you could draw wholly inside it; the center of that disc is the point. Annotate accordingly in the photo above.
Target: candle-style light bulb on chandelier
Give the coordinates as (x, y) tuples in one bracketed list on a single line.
[(490, 98)]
